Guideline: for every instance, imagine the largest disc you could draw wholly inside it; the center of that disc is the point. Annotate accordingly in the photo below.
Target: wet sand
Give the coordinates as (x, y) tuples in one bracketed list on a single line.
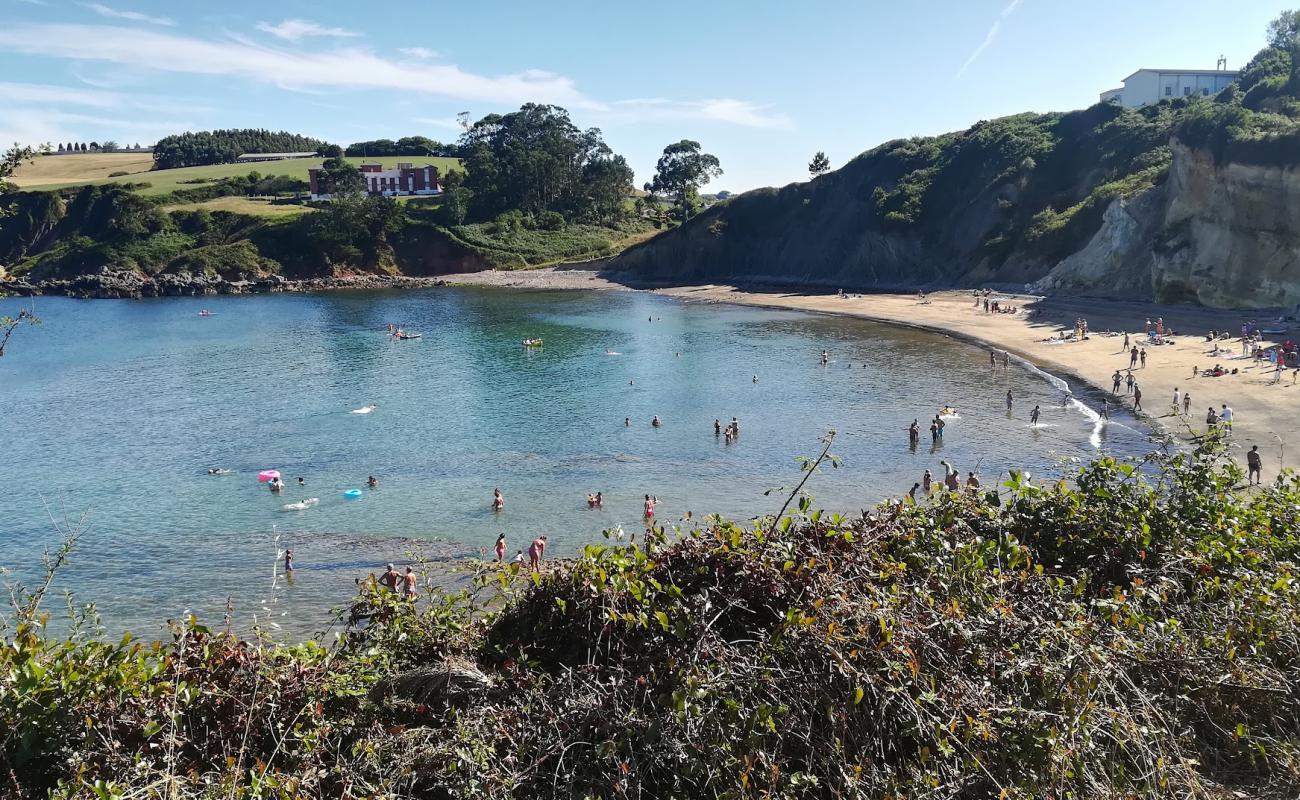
[(1265, 414)]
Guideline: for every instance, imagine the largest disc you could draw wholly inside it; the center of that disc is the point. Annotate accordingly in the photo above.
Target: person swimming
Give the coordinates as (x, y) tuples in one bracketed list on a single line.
[(591, 500), (655, 421), (218, 471), (498, 500), (372, 482), (365, 409)]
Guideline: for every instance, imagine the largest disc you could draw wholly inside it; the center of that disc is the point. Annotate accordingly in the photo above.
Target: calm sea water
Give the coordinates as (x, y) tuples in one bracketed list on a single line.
[(115, 410)]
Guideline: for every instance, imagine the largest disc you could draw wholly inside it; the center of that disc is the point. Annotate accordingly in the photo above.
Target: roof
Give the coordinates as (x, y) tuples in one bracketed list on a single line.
[(305, 154), (1231, 72)]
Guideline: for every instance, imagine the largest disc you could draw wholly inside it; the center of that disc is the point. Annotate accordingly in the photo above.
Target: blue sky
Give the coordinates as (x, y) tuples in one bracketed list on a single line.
[(762, 84)]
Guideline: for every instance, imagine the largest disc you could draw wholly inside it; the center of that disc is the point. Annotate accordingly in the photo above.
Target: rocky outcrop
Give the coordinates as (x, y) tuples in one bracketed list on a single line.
[(1231, 233)]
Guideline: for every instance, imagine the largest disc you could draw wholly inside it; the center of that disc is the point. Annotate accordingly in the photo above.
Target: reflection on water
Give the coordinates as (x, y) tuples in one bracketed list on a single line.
[(119, 408)]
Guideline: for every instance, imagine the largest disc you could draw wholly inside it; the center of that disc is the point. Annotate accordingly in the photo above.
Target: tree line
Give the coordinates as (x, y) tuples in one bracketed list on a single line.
[(405, 146), (108, 146), (193, 149)]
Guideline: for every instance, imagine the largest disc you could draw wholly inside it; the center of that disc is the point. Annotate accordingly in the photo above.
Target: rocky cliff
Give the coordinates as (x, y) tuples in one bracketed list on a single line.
[(1105, 202)]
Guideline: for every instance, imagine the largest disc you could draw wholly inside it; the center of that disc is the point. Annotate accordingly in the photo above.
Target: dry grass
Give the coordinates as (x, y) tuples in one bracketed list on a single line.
[(244, 205), (76, 168)]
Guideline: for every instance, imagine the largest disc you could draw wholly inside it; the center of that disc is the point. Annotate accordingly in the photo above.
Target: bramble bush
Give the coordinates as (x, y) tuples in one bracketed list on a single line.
[(1130, 633)]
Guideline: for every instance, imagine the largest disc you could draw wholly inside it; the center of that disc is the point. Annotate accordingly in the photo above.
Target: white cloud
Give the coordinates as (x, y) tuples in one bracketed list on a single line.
[(418, 52), (728, 110), (352, 69), (134, 16), (990, 36), (294, 29), (337, 69)]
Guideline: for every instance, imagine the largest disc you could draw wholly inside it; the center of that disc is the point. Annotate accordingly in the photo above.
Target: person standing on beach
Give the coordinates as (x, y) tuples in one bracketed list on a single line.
[(1211, 419), (1125, 341), (1226, 416), (1009, 399), (1254, 465), (536, 552), (1187, 403), (1137, 397), (1033, 416), (1133, 357), (993, 359), (1116, 379), (408, 584), (390, 579), (1143, 356), (1129, 381), (1178, 398), (500, 547)]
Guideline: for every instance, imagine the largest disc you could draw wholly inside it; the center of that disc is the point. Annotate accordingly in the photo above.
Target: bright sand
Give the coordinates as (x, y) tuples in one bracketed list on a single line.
[(1264, 414)]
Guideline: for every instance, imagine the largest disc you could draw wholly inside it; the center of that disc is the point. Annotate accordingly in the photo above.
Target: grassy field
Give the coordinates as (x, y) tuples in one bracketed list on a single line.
[(80, 168), (90, 169), (245, 205)]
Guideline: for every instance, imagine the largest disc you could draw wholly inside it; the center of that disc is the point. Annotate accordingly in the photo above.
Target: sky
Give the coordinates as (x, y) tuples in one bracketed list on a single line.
[(762, 84)]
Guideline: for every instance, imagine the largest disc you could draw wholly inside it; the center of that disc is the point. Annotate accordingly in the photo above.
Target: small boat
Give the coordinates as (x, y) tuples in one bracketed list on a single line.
[(532, 342)]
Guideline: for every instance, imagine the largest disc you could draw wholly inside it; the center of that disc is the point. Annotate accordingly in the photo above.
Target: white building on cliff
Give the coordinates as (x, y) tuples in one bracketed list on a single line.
[(1149, 86)]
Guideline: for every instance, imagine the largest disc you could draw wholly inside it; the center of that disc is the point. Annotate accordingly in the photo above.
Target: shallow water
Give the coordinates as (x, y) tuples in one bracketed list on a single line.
[(116, 410)]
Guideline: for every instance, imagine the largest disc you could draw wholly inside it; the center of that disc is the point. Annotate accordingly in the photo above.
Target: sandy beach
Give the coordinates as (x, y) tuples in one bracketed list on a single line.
[(1265, 414)]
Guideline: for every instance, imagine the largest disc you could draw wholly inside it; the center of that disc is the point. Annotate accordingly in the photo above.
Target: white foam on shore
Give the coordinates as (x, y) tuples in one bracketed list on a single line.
[(1094, 417)]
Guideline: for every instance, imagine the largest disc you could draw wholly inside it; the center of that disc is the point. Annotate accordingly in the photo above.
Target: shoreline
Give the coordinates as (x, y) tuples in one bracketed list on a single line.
[(1265, 415)]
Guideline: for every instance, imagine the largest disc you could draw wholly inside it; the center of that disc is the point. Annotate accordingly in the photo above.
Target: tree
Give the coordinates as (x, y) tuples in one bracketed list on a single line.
[(339, 178), (1284, 31), (819, 164), (94, 146), (13, 158), (329, 151), (108, 146), (456, 198), (535, 159), (682, 170), (83, 147)]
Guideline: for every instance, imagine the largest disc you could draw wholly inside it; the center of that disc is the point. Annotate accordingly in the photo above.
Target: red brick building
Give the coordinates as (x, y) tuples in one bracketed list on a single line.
[(404, 179)]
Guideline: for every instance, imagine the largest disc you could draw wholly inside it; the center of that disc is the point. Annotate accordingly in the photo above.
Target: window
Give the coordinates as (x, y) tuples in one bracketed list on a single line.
[(1205, 93), (1169, 91), (1187, 90)]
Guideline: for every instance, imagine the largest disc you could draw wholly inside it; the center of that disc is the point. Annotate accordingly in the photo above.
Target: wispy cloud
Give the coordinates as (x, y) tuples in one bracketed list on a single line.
[(355, 68), (34, 2), (338, 69), (418, 52), (990, 36), (294, 29), (725, 109), (134, 16), (15, 93)]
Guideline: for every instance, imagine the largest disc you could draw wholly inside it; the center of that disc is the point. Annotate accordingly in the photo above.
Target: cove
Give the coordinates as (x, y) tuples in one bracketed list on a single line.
[(117, 409)]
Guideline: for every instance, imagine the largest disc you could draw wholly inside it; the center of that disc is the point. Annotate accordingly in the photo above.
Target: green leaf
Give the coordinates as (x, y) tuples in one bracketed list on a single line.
[(857, 695), (663, 619)]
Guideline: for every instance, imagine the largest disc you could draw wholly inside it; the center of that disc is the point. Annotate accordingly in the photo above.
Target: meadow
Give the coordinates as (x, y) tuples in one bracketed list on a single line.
[(55, 172)]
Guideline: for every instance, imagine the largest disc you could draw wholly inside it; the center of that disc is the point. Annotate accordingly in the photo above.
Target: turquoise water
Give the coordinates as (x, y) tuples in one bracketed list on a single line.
[(115, 410)]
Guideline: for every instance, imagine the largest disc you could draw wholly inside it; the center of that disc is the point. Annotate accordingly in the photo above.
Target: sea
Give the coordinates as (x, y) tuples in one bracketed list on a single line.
[(112, 413)]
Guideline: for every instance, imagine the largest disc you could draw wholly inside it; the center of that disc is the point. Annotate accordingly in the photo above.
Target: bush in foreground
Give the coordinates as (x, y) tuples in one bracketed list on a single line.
[(1132, 635)]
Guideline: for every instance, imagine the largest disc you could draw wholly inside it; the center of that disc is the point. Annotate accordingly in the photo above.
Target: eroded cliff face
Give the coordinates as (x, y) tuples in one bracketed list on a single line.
[(1230, 234), (1218, 234)]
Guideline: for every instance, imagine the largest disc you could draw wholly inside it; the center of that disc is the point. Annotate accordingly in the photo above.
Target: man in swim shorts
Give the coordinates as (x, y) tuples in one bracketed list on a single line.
[(390, 579), (536, 552)]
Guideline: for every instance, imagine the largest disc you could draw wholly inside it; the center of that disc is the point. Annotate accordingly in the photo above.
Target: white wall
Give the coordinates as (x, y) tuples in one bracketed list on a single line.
[(1147, 87)]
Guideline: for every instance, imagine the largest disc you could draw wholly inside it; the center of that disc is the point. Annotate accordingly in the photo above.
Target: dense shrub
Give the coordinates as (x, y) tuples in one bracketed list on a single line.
[(1133, 634)]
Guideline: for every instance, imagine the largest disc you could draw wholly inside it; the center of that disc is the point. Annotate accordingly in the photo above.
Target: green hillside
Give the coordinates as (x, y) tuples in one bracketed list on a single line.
[(166, 181)]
